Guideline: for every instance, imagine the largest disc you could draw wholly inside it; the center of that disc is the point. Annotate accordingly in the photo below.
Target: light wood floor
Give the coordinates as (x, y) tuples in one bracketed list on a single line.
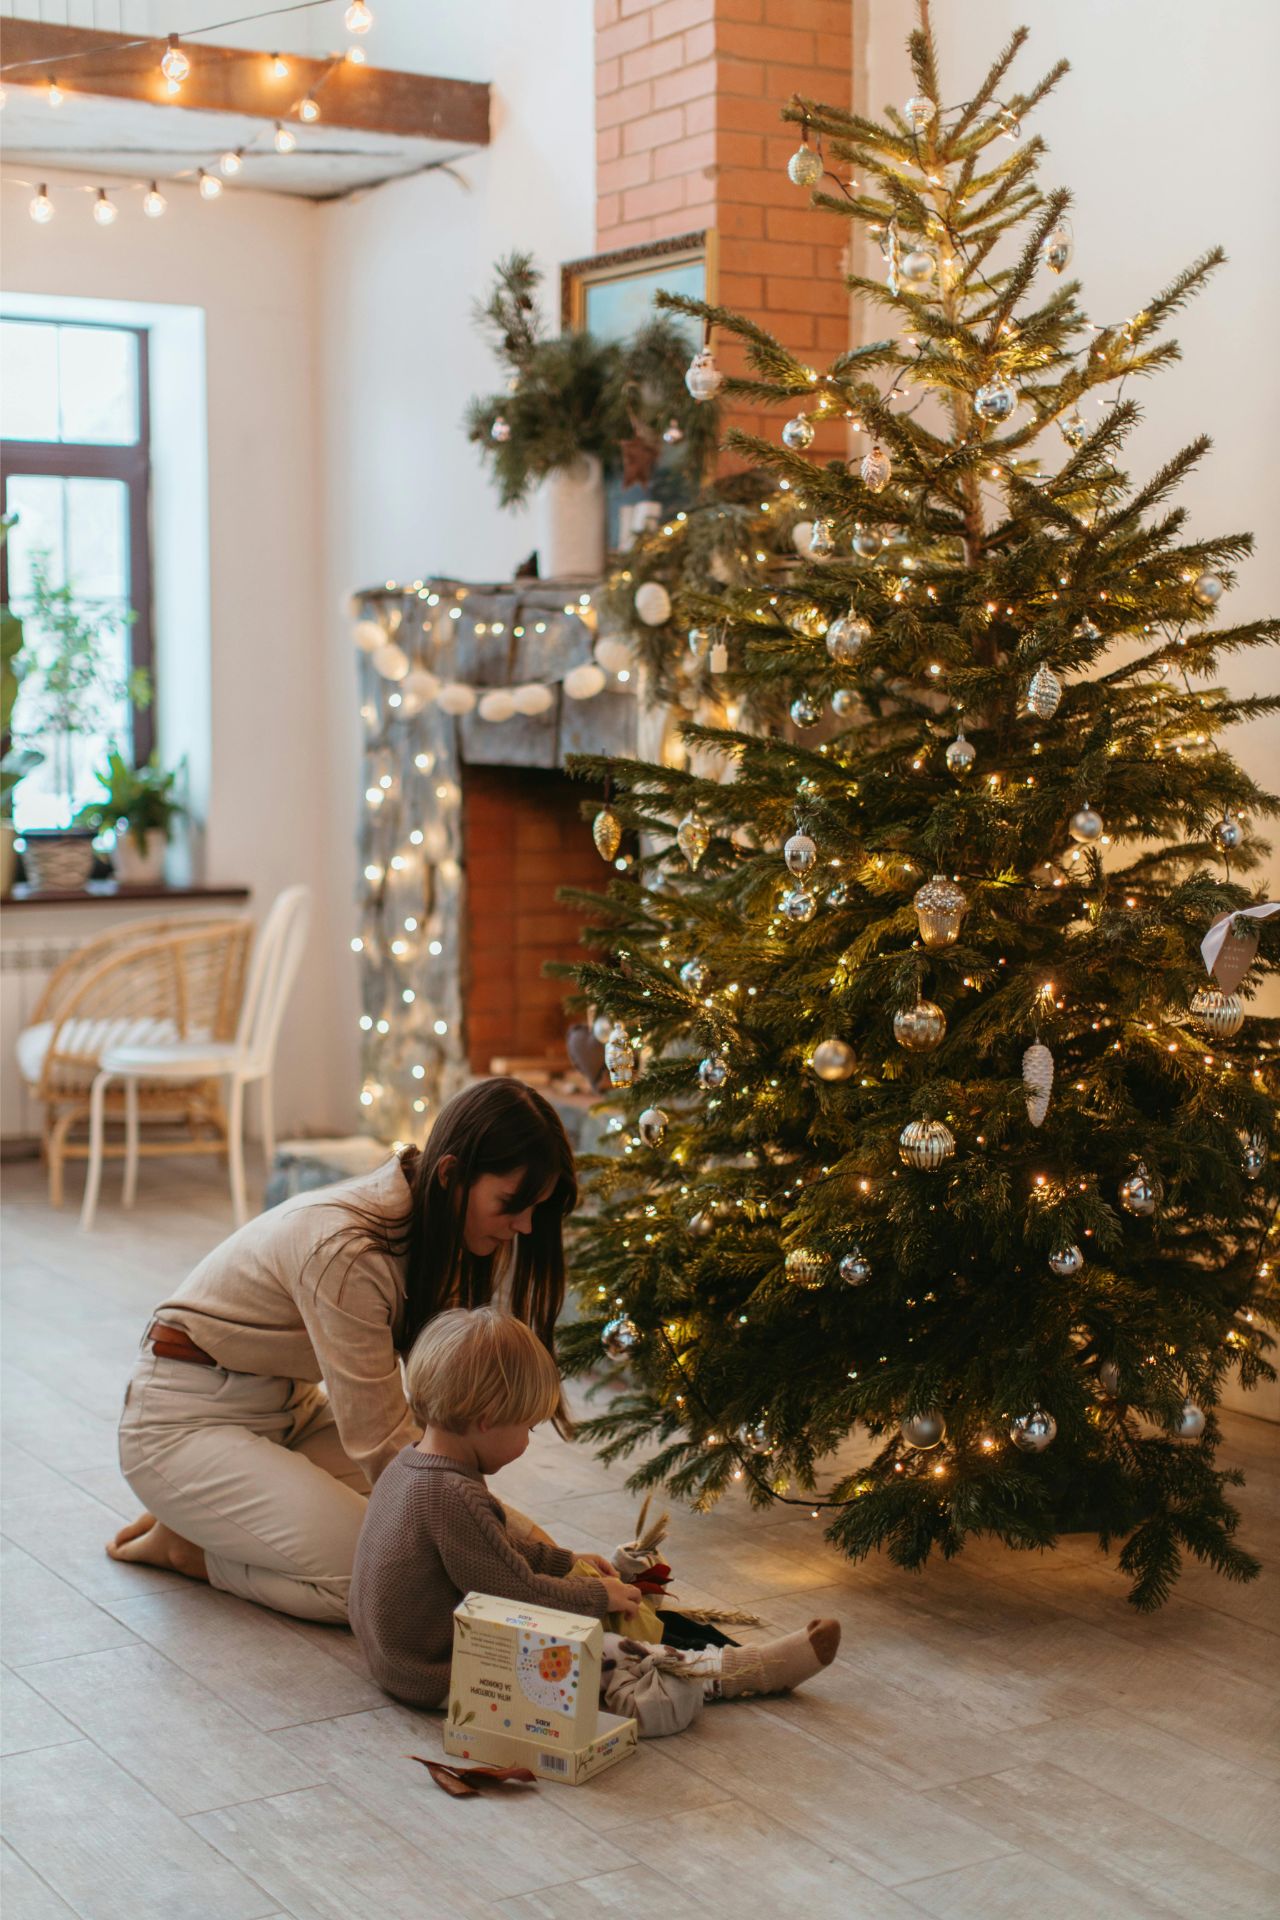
[(999, 1737)]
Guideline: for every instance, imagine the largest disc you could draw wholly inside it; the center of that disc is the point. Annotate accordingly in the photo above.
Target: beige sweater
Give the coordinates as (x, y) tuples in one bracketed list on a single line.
[(434, 1532), (275, 1299)]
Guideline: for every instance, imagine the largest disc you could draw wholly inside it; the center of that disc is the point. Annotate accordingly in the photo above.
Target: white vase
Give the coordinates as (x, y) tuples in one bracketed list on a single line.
[(134, 869), (569, 510)]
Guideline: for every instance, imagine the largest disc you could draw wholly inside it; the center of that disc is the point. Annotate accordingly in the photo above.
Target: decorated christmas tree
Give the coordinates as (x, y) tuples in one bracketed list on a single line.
[(936, 1148)]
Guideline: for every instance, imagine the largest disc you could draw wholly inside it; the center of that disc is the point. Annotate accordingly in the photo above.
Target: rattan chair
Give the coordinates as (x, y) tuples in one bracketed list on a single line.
[(164, 980)]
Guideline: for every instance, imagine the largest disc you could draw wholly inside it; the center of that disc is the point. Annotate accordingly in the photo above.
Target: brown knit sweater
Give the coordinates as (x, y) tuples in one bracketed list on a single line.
[(433, 1532)]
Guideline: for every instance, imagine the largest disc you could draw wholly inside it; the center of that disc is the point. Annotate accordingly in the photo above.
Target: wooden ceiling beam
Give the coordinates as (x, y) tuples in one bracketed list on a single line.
[(240, 80)]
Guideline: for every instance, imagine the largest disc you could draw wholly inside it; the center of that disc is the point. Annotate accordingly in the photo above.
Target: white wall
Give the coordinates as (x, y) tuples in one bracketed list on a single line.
[(1166, 134)]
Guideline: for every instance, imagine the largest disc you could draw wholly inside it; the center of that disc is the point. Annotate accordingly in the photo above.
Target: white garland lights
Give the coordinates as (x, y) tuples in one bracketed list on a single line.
[(176, 59)]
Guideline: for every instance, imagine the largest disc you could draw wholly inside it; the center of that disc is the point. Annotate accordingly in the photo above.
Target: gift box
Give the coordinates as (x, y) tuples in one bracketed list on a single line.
[(524, 1691)]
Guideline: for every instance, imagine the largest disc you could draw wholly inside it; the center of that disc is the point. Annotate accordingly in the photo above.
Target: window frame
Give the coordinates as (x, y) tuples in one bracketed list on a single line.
[(90, 460)]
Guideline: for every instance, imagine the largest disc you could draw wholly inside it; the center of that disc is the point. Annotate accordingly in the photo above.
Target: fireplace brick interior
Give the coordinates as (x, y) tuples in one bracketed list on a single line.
[(523, 836)]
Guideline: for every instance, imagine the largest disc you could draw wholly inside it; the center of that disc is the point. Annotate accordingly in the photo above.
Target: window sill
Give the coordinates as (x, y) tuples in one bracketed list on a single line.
[(111, 893)]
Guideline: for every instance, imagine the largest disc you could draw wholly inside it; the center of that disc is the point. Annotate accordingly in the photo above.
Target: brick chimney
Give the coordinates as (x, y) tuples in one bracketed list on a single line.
[(688, 136)]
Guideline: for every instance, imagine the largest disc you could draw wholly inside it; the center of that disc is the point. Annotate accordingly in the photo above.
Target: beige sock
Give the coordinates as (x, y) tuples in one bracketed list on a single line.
[(775, 1666)]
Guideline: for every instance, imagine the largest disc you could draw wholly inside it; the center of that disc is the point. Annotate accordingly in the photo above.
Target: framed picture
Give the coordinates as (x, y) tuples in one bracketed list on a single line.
[(610, 295)]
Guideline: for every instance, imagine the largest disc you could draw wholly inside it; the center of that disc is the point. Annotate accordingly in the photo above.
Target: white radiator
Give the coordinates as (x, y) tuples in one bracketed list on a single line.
[(25, 965)]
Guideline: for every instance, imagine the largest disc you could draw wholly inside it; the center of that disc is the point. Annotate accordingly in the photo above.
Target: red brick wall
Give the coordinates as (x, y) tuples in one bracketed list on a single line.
[(688, 94), (522, 837)]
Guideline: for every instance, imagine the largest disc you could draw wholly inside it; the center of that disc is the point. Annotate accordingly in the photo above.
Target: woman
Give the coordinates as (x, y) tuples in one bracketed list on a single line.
[(267, 1396)]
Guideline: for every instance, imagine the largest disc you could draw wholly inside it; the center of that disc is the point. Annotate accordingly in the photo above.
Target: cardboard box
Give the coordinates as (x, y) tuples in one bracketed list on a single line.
[(524, 1691)]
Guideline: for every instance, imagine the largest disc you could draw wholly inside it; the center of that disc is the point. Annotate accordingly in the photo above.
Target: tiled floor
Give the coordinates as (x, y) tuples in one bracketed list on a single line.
[(1000, 1736)]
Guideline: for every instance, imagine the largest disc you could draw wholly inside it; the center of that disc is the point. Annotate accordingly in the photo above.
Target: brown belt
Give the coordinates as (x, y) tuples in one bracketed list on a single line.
[(171, 1343)]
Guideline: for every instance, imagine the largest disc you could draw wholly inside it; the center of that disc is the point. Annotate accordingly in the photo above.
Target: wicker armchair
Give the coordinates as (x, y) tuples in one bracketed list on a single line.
[(153, 980)]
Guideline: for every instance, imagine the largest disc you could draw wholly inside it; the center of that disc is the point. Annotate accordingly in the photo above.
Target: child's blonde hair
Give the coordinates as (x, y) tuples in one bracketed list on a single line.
[(474, 1364)]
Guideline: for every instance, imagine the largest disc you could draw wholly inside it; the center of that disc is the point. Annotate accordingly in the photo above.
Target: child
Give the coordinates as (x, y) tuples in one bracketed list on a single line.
[(479, 1380)]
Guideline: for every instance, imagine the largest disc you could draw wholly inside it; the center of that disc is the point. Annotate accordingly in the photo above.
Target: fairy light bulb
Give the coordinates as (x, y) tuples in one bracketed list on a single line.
[(230, 164), (285, 139), (309, 109), (153, 202), (358, 18), (356, 54), (41, 208), (104, 210), (55, 95), (175, 65), (209, 184), (279, 68)]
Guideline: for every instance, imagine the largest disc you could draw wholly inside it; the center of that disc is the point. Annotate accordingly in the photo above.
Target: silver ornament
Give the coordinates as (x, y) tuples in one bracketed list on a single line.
[(1037, 1079), (920, 111), (846, 637), (846, 701), (833, 1060), (996, 400), (925, 1145), (961, 755), (1254, 1154), (876, 470), (1074, 428), (1228, 833), (1138, 1192), (500, 430), (694, 974), (620, 1337), (838, 895), (1086, 630), (822, 540), (805, 1269), (1207, 589), (701, 1224), (805, 712), (920, 1028), (866, 543), (800, 853), (855, 1268), (799, 906), (704, 378), (1057, 248), (697, 638), (1219, 1014), (940, 907), (805, 166), (755, 1439), (798, 433), (1044, 692), (923, 1430), (1033, 1432), (673, 433), (712, 1072), (919, 265), (1066, 1262), (652, 1126), (1085, 826), (620, 1057), (693, 839), (1190, 1423)]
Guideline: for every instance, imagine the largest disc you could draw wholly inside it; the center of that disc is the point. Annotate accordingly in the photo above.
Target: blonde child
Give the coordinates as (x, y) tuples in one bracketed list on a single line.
[(478, 1381)]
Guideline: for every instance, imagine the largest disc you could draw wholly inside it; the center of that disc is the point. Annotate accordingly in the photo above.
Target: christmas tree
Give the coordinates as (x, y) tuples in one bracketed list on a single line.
[(930, 1126)]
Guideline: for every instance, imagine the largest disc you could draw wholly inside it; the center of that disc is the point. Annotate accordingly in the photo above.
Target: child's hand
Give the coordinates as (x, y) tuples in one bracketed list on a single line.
[(598, 1561), (621, 1598)]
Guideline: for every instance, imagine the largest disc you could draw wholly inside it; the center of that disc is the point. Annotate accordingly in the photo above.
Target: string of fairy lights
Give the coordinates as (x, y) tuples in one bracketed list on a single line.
[(176, 59)]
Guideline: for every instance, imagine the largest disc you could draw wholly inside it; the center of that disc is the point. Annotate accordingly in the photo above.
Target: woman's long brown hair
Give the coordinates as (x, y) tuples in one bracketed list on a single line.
[(497, 1126)]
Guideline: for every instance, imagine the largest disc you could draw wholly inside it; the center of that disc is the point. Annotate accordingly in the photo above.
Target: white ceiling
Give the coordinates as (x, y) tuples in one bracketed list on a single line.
[(127, 139)]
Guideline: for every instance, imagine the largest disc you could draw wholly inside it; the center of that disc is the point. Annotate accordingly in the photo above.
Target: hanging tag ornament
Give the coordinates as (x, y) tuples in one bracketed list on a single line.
[(1037, 1079), (718, 658), (1228, 948), (692, 839), (606, 831)]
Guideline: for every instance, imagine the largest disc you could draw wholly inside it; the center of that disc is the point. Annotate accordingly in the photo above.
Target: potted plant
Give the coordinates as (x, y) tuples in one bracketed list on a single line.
[(141, 805), (69, 688)]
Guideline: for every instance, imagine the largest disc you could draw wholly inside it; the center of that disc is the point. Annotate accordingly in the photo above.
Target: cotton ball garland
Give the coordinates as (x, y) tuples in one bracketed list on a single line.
[(584, 682), (456, 698), (369, 635), (391, 661), (496, 704), (532, 698), (612, 654)]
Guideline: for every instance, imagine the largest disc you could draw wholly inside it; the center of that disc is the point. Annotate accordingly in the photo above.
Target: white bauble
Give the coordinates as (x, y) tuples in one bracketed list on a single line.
[(653, 603)]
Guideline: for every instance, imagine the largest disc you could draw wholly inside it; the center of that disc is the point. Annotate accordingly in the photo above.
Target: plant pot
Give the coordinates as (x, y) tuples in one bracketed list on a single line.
[(569, 521), (8, 859), (58, 859), (135, 869)]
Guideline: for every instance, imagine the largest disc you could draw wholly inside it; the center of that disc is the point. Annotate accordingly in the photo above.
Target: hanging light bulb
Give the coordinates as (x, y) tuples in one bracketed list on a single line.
[(175, 65), (230, 164), (358, 18), (153, 202), (104, 210), (279, 68), (285, 139), (356, 54), (309, 109), (209, 184), (41, 208), (55, 95)]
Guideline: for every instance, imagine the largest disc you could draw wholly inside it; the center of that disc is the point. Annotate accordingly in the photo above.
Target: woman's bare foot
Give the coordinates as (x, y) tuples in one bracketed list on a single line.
[(147, 1542)]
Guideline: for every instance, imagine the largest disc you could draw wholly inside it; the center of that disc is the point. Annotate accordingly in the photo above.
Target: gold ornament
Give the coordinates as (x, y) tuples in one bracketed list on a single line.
[(925, 1145), (1220, 1014), (940, 907), (620, 1057), (805, 1269), (606, 831), (833, 1060), (876, 470), (692, 839), (920, 1028)]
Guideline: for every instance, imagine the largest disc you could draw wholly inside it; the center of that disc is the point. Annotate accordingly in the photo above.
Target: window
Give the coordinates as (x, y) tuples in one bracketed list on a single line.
[(74, 465)]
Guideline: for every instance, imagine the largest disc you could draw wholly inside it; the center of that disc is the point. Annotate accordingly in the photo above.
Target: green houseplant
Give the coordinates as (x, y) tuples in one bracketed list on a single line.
[(15, 762), (141, 804)]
